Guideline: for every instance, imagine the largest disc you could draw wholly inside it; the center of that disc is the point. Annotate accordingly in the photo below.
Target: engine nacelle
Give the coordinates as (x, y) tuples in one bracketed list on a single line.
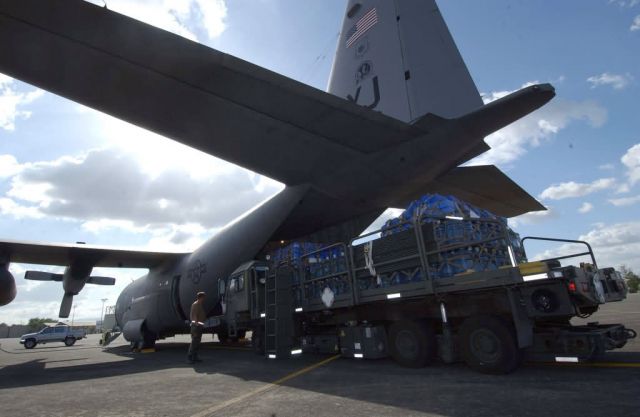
[(7, 286)]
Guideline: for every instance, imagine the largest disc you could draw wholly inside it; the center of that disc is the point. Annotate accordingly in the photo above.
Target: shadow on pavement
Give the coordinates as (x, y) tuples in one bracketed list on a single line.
[(451, 390)]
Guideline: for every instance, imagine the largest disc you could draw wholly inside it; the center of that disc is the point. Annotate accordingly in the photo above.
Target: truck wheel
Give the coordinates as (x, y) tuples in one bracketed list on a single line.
[(488, 345), (412, 343), (30, 343), (69, 341), (223, 336)]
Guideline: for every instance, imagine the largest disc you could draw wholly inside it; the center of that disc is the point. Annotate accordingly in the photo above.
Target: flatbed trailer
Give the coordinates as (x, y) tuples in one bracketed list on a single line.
[(449, 287)]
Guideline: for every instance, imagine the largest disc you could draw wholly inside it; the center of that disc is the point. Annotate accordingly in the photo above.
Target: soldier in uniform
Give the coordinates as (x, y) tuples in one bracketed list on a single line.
[(197, 316)]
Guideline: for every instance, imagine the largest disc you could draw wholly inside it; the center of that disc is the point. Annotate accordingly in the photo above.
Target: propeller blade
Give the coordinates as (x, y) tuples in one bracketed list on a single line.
[(65, 306), (42, 276), (101, 280)]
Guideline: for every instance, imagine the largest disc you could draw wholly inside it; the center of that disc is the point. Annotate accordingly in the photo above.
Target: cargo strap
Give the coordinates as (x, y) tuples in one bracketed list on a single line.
[(368, 261)]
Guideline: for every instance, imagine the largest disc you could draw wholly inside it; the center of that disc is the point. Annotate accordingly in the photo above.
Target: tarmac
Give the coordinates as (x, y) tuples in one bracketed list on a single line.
[(87, 380)]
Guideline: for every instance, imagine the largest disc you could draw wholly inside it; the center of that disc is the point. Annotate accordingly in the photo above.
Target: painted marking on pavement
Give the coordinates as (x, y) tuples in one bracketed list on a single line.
[(594, 364), (264, 388)]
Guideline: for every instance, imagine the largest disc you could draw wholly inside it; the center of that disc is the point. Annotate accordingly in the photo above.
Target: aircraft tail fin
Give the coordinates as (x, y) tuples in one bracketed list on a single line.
[(399, 58)]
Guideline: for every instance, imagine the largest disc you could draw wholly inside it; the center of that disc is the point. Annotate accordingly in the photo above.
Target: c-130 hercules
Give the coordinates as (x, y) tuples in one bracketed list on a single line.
[(401, 115)]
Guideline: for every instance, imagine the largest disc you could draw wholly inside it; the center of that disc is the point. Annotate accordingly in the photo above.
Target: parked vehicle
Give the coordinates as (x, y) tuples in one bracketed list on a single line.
[(66, 334), (460, 288)]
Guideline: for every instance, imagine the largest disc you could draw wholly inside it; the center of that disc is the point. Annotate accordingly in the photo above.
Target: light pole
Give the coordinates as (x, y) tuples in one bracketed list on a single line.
[(102, 315), (73, 315)]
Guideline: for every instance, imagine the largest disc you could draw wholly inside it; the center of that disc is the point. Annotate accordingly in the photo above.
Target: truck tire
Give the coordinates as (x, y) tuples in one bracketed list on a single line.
[(69, 341), (412, 343), (223, 336), (489, 345), (30, 343)]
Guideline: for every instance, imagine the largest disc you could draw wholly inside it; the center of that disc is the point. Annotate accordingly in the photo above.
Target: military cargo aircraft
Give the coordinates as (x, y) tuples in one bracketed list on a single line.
[(400, 116)]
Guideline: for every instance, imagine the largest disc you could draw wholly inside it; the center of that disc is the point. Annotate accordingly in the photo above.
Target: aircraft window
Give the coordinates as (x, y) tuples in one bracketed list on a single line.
[(240, 284), (232, 284), (221, 287)]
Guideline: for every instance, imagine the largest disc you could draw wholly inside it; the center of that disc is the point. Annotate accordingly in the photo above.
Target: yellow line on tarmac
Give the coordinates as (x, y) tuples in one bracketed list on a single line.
[(611, 364), (595, 364), (264, 388)]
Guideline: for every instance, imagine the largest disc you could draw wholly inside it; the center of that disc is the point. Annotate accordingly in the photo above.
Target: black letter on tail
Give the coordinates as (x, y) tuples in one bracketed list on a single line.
[(376, 94)]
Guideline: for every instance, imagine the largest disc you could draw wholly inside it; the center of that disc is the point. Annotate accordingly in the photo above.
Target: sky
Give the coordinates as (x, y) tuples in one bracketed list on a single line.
[(69, 173)]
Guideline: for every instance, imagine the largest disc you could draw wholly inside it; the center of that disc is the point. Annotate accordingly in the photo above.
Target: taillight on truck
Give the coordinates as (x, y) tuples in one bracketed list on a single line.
[(572, 286)]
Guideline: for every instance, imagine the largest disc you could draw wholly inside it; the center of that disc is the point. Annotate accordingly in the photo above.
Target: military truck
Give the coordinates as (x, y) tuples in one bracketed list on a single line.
[(66, 334), (454, 287)]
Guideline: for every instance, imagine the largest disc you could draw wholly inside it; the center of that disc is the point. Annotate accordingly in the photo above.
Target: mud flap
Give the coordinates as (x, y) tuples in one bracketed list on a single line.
[(523, 324)]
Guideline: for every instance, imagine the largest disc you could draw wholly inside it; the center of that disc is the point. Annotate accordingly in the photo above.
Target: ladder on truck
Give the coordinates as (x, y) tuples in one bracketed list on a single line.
[(279, 323)]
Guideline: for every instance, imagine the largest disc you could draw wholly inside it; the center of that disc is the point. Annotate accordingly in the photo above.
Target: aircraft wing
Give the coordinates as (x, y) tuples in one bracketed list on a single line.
[(65, 255), (484, 186), (186, 91)]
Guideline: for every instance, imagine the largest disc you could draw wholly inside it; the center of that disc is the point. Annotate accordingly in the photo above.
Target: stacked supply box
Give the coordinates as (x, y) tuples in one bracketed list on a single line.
[(325, 271), (391, 260), (459, 237), (318, 267)]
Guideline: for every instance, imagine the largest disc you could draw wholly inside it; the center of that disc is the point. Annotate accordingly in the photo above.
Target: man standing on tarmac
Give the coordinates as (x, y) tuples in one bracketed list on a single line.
[(197, 316)]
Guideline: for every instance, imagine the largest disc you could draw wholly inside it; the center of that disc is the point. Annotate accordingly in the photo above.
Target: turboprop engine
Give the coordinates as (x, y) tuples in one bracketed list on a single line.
[(7, 286)]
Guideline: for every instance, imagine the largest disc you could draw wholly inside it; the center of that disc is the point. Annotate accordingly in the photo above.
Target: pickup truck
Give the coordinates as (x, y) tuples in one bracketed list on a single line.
[(65, 334)]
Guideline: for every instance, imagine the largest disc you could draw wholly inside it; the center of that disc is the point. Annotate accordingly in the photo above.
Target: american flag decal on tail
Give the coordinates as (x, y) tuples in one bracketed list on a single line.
[(365, 23)]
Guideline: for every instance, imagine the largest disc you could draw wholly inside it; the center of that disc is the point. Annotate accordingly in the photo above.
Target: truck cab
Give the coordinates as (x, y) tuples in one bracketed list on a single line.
[(242, 300)]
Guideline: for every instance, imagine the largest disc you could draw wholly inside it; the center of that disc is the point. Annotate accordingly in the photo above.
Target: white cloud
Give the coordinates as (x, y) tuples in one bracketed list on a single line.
[(631, 159), (9, 166), (573, 189), (626, 201), (214, 13), (616, 244), (623, 188), (613, 245), (625, 3), (110, 188), (513, 141), (8, 207), (533, 217), (11, 102), (617, 81), (636, 24), (102, 225), (606, 167), (586, 207), (181, 17)]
